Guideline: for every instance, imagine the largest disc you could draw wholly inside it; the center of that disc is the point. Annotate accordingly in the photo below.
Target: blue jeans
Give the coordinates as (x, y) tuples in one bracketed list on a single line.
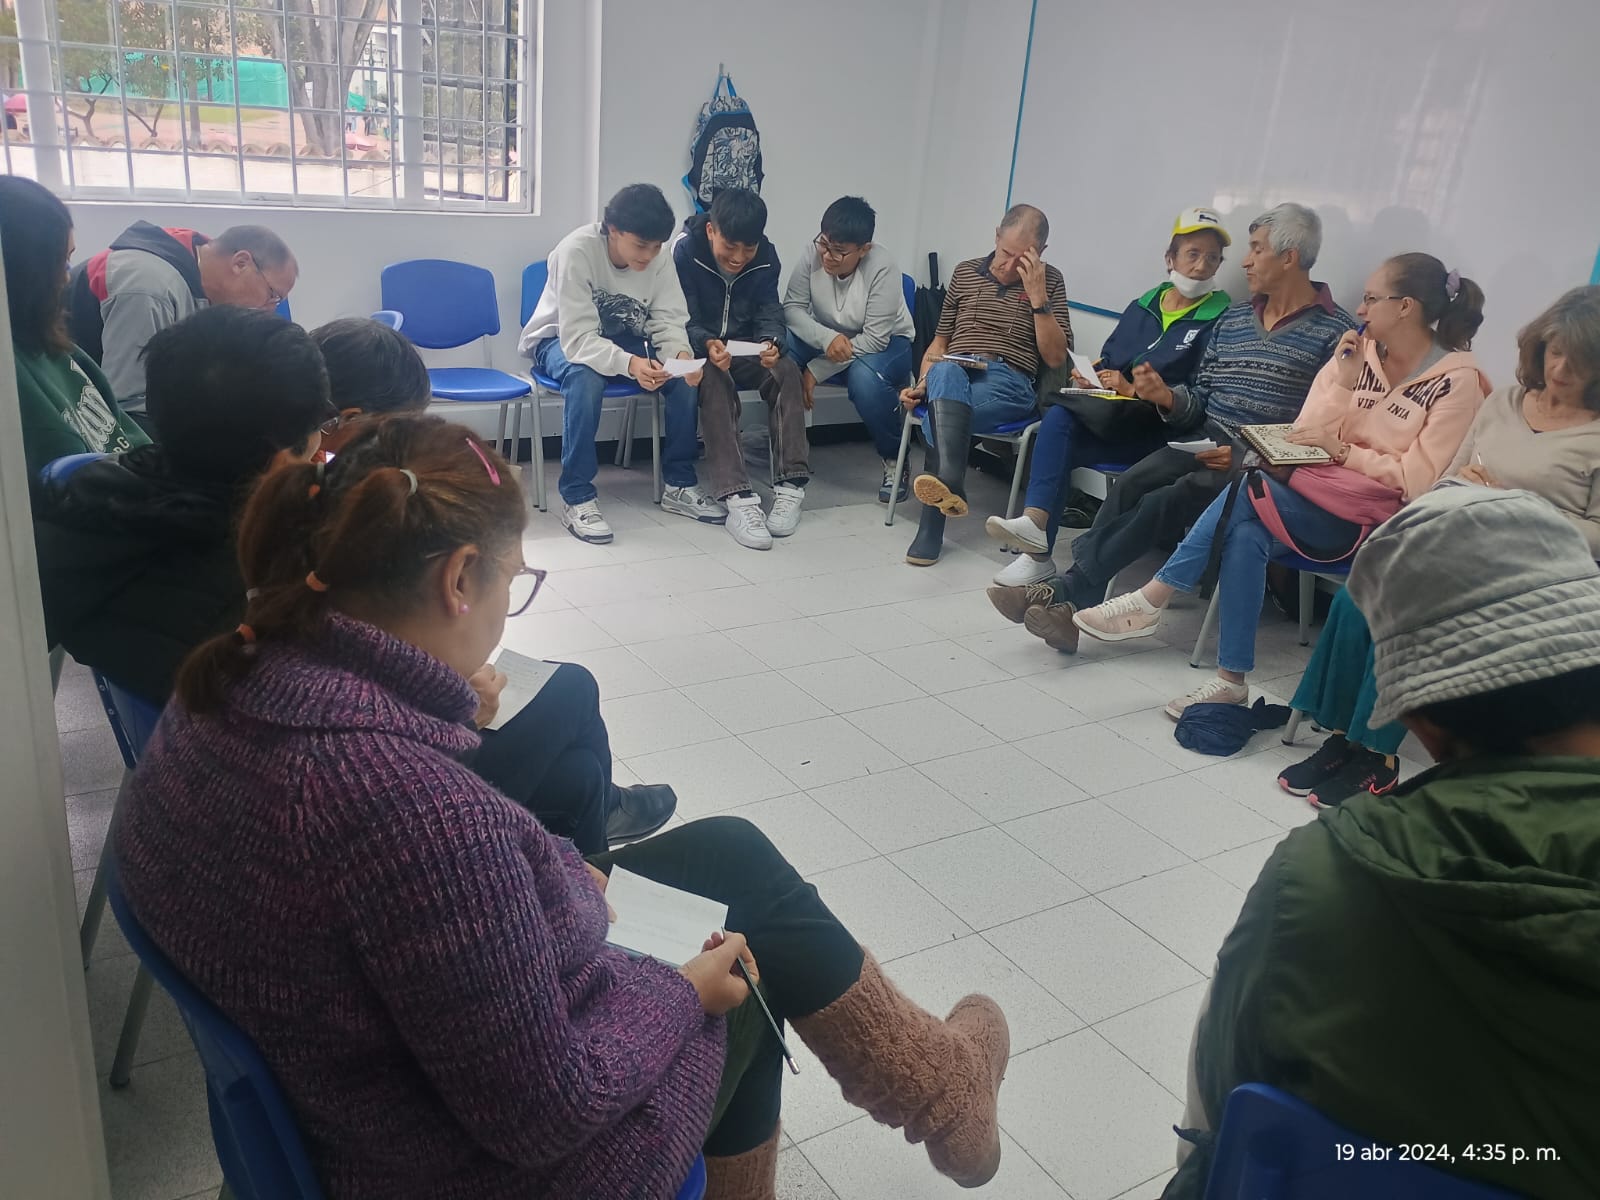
[(1064, 444), (997, 396), (1246, 546), (874, 382), (583, 392)]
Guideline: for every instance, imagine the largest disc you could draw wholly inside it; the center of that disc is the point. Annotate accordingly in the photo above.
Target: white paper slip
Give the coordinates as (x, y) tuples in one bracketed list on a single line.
[(1198, 446), (745, 349), (524, 678), (658, 921), (683, 366), (1084, 365)]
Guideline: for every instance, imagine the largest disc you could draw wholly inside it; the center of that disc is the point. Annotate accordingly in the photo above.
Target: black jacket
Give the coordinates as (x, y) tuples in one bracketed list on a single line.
[(1173, 353), (749, 307), (137, 568)]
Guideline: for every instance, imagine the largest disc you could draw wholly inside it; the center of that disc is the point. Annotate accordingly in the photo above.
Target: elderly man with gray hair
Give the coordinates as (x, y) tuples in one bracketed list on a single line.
[(1263, 354), (1422, 967)]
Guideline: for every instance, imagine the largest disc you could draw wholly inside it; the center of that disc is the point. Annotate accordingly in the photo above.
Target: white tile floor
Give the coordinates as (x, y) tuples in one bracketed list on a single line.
[(984, 813)]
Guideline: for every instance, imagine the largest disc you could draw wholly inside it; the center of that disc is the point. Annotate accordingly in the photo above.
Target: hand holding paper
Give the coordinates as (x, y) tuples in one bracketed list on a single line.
[(743, 349), (679, 367)]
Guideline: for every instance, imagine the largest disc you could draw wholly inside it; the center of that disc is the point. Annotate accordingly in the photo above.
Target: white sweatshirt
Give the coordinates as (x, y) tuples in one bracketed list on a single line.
[(588, 303), (869, 307)]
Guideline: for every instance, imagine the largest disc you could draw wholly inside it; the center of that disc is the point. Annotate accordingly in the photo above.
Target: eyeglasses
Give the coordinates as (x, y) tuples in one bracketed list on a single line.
[(525, 585), (829, 250), (273, 298), (1191, 257), (331, 425), (1368, 299)]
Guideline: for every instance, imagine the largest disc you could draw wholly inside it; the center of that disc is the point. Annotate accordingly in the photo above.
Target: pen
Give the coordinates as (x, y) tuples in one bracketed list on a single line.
[(761, 1000), (1360, 329)]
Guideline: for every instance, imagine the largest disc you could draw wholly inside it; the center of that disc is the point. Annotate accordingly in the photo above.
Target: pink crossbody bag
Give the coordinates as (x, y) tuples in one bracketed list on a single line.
[(1338, 491)]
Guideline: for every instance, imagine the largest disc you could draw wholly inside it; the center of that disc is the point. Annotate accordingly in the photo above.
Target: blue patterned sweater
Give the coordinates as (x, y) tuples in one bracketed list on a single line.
[(1250, 376)]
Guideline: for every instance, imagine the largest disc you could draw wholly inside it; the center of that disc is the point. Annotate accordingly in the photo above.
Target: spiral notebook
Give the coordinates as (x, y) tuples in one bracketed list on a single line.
[(1272, 443)]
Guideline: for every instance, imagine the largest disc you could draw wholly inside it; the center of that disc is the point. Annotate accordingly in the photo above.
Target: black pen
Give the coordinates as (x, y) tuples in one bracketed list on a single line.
[(771, 1020)]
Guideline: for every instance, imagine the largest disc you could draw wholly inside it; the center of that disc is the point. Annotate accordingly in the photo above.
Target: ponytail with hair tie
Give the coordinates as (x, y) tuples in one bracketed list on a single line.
[(1452, 285)]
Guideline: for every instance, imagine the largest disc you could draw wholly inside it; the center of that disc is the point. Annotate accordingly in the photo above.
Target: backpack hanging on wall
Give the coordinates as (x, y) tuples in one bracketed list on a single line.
[(725, 151)]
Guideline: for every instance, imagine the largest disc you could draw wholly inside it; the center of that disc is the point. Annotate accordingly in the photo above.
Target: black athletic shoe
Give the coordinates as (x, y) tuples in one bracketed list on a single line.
[(640, 811), (1330, 758), (1365, 772)]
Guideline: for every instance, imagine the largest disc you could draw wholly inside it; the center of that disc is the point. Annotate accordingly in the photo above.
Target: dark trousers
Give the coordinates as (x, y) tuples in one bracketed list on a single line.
[(806, 957), (554, 759), (1151, 504), (786, 422)]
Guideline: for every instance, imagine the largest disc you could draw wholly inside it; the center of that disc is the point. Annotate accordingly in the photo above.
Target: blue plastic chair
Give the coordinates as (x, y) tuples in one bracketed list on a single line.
[(534, 277), (1018, 433), (446, 304), (283, 309), (388, 316), (1272, 1146)]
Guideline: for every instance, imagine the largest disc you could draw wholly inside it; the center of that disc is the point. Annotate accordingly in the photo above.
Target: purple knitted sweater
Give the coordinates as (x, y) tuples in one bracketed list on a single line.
[(423, 966)]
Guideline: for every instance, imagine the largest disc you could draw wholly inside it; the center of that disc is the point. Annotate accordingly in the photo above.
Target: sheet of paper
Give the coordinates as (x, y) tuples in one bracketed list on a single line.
[(658, 921), (683, 366), (741, 349), (1084, 365), (1197, 446), (524, 677)]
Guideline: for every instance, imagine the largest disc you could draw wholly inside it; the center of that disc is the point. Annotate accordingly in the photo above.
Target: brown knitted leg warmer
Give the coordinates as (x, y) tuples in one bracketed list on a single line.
[(937, 1080), (752, 1175)]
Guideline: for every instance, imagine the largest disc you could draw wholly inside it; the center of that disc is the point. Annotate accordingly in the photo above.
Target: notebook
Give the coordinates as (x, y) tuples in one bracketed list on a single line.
[(524, 678), (1272, 443), (660, 922)]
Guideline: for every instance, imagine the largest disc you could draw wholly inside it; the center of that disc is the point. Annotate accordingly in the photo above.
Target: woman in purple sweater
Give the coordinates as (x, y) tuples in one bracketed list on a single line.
[(422, 964)]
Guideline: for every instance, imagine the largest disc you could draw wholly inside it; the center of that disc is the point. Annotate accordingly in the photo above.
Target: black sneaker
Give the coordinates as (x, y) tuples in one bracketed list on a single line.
[(640, 811), (1365, 772), (1330, 758)]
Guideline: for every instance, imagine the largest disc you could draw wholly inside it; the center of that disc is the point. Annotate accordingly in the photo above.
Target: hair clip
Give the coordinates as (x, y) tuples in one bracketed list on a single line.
[(494, 476), (1452, 285), (412, 476), (246, 634), (315, 584), (252, 594)]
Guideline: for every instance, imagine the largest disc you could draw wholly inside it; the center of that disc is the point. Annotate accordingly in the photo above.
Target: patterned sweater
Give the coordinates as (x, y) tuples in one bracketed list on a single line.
[(1254, 376), (421, 964)]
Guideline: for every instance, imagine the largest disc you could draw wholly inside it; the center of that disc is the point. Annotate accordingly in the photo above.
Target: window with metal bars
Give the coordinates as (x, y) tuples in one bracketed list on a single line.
[(412, 104)]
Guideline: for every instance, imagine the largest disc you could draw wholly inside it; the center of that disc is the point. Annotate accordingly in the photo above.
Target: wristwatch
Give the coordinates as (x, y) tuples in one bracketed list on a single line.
[(1041, 309)]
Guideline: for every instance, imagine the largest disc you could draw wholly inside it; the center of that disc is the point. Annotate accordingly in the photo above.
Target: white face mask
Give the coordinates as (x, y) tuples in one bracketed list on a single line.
[(1192, 289)]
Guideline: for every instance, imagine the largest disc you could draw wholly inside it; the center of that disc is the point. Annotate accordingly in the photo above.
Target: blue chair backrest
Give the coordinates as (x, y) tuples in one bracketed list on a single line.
[(1274, 1147), (258, 1143), (388, 316), (910, 286), (283, 309), (444, 303), (534, 277), (132, 720), (59, 470)]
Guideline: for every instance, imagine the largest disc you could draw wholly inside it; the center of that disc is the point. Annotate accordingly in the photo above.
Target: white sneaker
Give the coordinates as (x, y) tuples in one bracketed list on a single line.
[(1215, 690), (1024, 570), (1120, 619), (693, 502), (585, 522), (1019, 533), (784, 518), (746, 523)]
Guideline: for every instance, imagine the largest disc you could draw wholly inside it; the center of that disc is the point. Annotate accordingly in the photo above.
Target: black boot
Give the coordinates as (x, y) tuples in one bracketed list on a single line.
[(946, 487), (925, 547), (639, 811)]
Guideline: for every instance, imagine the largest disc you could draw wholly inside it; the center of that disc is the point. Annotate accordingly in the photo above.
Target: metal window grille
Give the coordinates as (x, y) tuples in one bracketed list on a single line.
[(411, 104)]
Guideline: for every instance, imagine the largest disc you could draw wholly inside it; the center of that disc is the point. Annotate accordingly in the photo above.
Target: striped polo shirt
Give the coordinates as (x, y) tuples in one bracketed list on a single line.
[(981, 316)]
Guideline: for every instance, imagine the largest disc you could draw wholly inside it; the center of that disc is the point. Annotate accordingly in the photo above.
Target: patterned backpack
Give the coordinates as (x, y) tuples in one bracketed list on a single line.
[(725, 151)]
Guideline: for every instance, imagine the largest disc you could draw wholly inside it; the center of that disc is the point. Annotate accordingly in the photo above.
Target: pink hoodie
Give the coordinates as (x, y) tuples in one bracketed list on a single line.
[(1405, 437)]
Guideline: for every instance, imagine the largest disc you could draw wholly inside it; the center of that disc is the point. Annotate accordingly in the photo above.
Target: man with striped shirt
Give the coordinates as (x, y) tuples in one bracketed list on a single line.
[(1257, 368), (1004, 316)]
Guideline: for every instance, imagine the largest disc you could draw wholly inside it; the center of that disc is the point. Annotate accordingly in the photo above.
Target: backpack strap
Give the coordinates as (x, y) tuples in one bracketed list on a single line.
[(1208, 580)]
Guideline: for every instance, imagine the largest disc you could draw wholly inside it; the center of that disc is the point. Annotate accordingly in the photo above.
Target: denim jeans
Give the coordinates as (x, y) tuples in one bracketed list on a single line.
[(1338, 690), (996, 396), (1063, 444), (874, 382), (1246, 545), (583, 393)]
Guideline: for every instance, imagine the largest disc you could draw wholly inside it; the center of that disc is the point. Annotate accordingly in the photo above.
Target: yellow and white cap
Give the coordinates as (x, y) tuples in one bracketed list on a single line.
[(1194, 220)]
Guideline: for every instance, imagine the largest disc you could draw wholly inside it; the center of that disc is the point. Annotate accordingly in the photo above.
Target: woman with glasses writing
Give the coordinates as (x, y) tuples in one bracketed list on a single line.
[(846, 310), (423, 966), (1165, 330)]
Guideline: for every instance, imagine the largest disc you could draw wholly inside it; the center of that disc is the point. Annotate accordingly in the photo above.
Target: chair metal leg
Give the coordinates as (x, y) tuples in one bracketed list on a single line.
[(1207, 627), (655, 441), (899, 467), (1295, 716), (132, 1027), (94, 909), (1308, 602), (625, 441), (58, 659), (500, 433), (537, 414), (516, 434), (1024, 445)]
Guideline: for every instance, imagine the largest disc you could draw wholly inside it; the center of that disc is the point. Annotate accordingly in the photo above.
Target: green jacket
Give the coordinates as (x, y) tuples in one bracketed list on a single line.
[(1425, 967), (67, 408)]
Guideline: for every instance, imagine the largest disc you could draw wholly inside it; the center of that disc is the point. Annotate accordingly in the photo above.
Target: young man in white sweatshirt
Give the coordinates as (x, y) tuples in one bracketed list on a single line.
[(612, 307), (846, 311)]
